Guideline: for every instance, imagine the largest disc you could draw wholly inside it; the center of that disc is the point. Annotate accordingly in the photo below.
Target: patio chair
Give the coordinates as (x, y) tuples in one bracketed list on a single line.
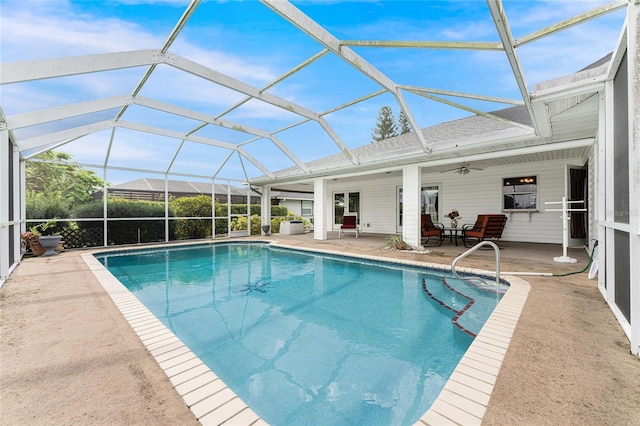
[(487, 227), (349, 223), (430, 230)]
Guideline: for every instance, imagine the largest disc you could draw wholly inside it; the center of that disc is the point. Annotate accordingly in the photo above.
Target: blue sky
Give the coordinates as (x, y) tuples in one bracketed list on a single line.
[(249, 42)]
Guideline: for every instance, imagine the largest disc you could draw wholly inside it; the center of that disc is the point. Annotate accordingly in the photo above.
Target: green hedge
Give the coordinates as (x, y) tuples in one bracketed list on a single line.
[(198, 206), (134, 231), (46, 206), (127, 231)]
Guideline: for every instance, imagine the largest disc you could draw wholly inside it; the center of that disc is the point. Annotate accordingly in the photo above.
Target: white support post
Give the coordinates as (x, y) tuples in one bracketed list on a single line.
[(319, 209), (228, 209), (411, 205), (565, 227), (17, 203), (248, 209), (265, 207), (633, 38), (4, 209), (166, 207), (213, 208)]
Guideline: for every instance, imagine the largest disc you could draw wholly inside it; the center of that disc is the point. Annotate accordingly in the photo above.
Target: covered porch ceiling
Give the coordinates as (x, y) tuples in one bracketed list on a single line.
[(296, 98)]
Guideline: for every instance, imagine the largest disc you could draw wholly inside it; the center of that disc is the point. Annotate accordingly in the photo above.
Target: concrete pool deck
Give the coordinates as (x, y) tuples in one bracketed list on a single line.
[(69, 356)]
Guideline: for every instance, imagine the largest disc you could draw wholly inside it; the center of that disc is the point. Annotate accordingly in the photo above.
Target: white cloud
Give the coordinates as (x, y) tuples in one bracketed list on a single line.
[(38, 33), (43, 31)]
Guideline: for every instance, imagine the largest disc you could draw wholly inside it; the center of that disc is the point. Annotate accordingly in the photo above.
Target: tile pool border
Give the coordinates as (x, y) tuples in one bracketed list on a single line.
[(463, 400)]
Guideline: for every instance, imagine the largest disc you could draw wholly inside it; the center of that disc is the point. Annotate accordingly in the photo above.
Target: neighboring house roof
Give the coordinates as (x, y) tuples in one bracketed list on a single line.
[(286, 195), (197, 188), (176, 186)]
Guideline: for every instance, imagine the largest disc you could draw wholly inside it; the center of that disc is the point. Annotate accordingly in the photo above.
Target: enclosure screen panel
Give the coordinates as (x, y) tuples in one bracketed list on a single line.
[(621, 144), (622, 273)]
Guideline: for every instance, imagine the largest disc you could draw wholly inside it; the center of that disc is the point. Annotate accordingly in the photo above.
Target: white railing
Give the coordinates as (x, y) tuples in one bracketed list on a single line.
[(471, 250)]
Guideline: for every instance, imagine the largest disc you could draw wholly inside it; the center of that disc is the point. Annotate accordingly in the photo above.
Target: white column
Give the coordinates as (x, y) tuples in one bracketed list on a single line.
[(166, 207), (633, 40), (265, 205), (411, 184), (248, 209), (17, 202), (601, 200), (4, 202), (213, 209), (320, 220)]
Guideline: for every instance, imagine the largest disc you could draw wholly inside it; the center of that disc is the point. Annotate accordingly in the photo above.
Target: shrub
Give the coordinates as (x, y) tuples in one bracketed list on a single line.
[(198, 206), (396, 242), (240, 224), (40, 205)]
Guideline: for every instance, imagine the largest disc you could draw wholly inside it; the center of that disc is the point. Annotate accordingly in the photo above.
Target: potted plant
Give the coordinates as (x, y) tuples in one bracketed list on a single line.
[(455, 218), (31, 240), (42, 239)]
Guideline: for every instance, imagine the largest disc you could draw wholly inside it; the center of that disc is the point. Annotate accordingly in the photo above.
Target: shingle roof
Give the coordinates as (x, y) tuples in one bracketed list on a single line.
[(462, 131)]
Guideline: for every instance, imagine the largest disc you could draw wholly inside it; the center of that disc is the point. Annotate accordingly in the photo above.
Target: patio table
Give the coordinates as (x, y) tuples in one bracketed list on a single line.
[(453, 234)]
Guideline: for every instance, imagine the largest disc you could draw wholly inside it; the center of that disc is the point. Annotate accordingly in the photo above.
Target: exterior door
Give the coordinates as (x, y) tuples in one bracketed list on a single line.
[(577, 190), (345, 203)]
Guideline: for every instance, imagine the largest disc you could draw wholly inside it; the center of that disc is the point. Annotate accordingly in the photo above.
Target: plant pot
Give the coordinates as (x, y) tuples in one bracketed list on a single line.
[(36, 247), (50, 242), (265, 229)]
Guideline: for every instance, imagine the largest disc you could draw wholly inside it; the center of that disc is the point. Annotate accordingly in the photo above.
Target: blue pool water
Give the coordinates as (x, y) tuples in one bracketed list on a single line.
[(310, 339)]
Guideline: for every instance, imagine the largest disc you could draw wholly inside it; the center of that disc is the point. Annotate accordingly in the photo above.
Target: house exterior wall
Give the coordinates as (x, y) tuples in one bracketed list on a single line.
[(481, 192), (295, 206), (292, 205), (377, 202), (477, 193)]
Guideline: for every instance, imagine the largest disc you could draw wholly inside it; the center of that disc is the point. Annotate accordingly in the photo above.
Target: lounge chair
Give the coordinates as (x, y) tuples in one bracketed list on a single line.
[(487, 227), (349, 223), (430, 230)]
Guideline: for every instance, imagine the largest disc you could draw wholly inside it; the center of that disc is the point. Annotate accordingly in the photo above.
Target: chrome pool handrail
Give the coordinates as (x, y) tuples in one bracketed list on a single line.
[(471, 250)]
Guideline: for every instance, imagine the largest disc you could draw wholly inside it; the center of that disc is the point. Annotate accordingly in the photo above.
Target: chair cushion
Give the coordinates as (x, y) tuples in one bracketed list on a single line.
[(430, 233)]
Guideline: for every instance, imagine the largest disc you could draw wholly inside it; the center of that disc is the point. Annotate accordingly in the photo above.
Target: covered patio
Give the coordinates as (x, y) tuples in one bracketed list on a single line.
[(568, 361)]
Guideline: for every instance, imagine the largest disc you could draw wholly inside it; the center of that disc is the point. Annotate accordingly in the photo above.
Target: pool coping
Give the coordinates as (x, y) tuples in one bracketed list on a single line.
[(463, 400)]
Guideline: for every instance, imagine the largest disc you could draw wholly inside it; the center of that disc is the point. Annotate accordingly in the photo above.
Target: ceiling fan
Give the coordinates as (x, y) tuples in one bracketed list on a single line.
[(462, 169)]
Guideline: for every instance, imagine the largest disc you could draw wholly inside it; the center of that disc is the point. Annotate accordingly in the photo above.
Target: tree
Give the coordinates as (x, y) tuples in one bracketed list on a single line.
[(385, 125), (69, 181), (403, 122)]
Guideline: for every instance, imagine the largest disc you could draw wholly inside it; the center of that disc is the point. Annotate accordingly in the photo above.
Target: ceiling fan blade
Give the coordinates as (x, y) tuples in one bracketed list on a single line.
[(451, 170), (462, 169)]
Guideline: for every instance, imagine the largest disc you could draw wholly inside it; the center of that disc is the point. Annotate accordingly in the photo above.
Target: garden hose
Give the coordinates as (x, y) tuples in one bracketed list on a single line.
[(595, 244)]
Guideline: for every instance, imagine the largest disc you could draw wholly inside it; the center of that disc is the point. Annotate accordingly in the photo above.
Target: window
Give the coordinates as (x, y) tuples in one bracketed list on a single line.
[(520, 193), (429, 196), (307, 208)]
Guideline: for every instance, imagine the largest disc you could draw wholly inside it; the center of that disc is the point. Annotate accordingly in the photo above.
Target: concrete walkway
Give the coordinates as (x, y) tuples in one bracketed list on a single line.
[(67, 355)]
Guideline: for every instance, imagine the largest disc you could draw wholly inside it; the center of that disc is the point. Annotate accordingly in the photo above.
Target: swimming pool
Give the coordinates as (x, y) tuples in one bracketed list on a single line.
[(308, 338)]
